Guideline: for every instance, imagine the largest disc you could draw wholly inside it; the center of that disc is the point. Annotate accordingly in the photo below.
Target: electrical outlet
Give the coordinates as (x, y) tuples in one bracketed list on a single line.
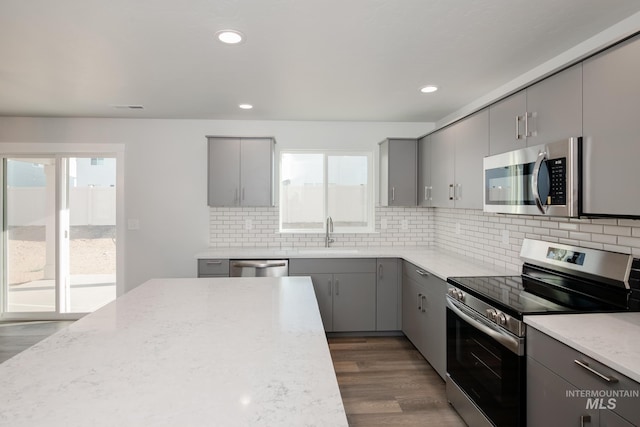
[(133, 224), (248, 224), (457, 228), (404, 224), (505, 237)]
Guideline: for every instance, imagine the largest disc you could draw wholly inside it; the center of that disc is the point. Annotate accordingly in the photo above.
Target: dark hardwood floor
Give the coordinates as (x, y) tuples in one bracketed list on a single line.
[(384, 381), (19, 336)]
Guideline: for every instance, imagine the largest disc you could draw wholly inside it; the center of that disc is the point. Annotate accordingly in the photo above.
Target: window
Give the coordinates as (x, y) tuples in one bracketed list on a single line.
[(317, 184)]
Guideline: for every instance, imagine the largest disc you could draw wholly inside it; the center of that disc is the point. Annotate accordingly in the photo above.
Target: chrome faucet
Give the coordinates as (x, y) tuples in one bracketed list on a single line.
[(328, 230)]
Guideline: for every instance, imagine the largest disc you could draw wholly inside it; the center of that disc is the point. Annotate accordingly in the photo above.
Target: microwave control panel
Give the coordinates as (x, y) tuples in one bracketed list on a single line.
[(558, 175)]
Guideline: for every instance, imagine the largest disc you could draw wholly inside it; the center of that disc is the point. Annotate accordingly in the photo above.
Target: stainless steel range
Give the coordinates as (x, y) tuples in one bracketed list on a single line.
[(486, 335)]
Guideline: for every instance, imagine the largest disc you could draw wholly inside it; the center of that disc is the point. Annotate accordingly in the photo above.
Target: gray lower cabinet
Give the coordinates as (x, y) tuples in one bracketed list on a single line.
[(389, 295), (240, 171), (424, 314), (218, 267), (345, 290), (556, 376), (398, 171), (611, 128)]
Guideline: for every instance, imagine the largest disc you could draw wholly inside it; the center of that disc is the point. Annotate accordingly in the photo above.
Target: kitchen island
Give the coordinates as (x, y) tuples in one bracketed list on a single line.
[(193, 352)]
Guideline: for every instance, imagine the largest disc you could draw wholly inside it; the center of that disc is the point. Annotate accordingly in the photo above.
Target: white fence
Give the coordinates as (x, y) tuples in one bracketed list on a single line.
[(347, 203), (87, 206)]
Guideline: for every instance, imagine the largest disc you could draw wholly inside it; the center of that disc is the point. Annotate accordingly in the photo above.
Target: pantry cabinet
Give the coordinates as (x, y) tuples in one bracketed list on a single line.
[(557, 375), (398, 172), (424, 314), (611, 141), (240, 171), (457, 153), (548, 111), (345, 290)]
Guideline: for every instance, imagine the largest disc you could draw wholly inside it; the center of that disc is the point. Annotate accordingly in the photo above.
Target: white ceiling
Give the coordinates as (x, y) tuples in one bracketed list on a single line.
[(302, 59)]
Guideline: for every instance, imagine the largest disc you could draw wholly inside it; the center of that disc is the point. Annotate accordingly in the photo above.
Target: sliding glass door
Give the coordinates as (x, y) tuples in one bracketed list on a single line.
[(59, 246)]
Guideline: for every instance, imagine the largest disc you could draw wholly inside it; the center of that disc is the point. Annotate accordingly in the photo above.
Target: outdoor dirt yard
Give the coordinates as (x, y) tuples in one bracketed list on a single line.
[(92, 251)]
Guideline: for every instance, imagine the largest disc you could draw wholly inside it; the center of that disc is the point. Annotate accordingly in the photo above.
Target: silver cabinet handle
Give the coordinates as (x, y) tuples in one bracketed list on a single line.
[(430, 193), (393, 194), (451, 192), (585, 419), (419, 302), (235, 195), (422, 273), (242, 193), (518, 134), (457, 192), (212, 262), (337, 287), (380, 269), (585, 365), (526, 124), (424, 299), (329, 287), (425, 192)]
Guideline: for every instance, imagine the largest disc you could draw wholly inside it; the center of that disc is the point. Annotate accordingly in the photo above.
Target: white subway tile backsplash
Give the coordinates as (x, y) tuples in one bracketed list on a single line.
[(473, 233)]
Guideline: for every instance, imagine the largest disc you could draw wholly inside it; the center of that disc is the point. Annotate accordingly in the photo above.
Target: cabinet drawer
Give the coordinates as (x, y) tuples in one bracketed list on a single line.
[(213, 267), (561, 359), (413, 272)]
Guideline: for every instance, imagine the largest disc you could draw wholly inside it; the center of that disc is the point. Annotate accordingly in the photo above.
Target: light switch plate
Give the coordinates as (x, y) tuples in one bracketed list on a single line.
[(133, 224)]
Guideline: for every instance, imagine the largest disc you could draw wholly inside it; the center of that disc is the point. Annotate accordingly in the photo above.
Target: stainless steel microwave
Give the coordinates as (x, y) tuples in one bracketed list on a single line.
[(539, 180)]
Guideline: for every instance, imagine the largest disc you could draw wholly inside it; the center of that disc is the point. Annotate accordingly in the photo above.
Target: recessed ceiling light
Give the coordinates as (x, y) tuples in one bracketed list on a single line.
[(429, 89), (246, 106), (230, 36)]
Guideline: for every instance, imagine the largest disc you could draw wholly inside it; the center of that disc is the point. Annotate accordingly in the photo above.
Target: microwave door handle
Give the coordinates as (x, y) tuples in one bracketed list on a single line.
[(542, 156)]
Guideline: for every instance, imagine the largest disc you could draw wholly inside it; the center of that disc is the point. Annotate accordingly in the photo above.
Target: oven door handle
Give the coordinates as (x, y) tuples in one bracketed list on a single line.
[(511, 342)]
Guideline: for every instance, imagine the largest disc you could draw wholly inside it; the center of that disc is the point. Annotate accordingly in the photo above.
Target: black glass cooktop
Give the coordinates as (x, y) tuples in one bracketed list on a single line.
[(521, 295)]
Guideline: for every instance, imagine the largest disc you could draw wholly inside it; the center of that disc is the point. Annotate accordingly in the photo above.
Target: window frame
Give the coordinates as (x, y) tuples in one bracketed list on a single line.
[(369, 228)]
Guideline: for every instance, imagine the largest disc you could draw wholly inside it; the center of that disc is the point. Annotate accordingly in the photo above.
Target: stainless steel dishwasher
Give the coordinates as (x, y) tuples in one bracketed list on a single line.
[(259, 268)]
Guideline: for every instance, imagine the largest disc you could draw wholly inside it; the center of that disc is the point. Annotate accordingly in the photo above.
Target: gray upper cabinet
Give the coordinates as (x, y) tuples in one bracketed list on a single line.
[(548, 111), (611, 128), (442, 167), (240, 171), (425, 189), (506, 123), (398, 172), (456, 162)]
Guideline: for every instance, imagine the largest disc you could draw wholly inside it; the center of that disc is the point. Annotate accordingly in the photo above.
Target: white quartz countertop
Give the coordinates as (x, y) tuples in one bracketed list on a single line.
[(436, 261), (612, 339), (182, 352)]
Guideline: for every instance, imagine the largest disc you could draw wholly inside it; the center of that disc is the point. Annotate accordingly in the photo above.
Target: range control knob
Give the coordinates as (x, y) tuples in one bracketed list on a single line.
[(501, 319), (492, 314)]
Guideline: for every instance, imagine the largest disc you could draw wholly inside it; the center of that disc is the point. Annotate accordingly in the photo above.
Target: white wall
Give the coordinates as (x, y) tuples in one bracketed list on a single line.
[(166, 173)]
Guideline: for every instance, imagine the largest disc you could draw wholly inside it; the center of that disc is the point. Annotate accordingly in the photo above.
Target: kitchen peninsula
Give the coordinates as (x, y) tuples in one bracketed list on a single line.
[(232, 352)]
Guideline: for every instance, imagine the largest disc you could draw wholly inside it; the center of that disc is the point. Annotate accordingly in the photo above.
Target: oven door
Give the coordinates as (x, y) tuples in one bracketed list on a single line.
[(540, 180), (487, 365)]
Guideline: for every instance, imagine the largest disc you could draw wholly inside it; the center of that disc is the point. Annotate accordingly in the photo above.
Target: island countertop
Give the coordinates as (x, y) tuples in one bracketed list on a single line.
[(196, 352)]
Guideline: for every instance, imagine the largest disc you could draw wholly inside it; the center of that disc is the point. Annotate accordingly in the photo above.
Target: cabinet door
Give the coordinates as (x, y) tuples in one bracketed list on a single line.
[(554, 106), (323, 288), (354, 302), (611, 419), (547, 403), (442, 167), (434, 306), (398, 172), (424, 171), (388, 301), (256, 172), (506, 124), (410, 310), (223, 171), (611, 131), (472, 145)]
